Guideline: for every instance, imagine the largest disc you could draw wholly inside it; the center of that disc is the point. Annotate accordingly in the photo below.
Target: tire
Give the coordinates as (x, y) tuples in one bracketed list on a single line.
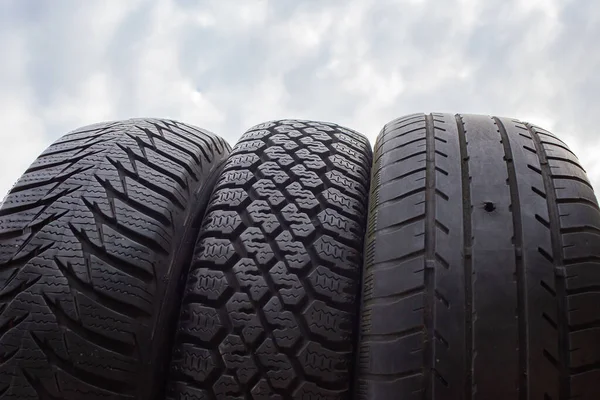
[(94, 239), (482, 269), (269, 310)]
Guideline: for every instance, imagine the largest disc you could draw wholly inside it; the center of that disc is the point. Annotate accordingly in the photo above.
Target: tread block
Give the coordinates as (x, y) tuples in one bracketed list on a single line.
[(380, 357), (408, 310), (401, 278), (277, 265)]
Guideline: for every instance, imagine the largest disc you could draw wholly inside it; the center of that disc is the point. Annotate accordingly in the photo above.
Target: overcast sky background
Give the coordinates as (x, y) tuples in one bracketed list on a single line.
[(226, 65)]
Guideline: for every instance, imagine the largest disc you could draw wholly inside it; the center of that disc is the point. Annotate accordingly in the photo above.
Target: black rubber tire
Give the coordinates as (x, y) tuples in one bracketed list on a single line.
[(94, 238), (482, 268), (270, 310)]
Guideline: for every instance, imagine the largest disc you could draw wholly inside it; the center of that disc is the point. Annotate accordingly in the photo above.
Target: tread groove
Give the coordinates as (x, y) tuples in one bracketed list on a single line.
[(392, 375), (403, 196), (585, 368), (152, 137), (582, 327), (75, 326), (113, 193), (79, 285), (57, 180), (371, 337), (397, 260), (143, 240), (200, 147), (429, 314), (134, 158), (12, 323), (120, 264), (402, 224), (403, 176), (571, 178), (123, 172), (579, 200), (538, 192), (392, 298), (581, 229), (384, 141), (565, 148), (579, 260), (143, 145), (521, 273), (90, 378), (62, 151), (568, 161), (68, 162), (468, 261), (557, 256), (584, 289)]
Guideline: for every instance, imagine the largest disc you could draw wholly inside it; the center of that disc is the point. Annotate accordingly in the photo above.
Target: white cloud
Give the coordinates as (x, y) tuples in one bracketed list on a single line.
[(225, 66), (91, 102), (21, 137), (22, 130)]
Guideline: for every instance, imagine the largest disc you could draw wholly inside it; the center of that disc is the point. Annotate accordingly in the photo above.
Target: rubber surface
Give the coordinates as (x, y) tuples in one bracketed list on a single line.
[(482, 271), (270, 308), (93, 240)]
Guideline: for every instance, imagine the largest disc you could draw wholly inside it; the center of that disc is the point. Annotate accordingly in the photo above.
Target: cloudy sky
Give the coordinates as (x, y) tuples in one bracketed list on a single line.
[(225, 65)]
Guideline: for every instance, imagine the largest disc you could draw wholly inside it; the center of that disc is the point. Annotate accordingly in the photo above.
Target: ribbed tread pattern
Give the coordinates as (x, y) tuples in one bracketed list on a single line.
[(93, 239), (480, 264)]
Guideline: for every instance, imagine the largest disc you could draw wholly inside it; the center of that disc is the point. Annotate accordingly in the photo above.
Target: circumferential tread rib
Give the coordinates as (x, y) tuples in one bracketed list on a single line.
[(515, 245), (430, 261)]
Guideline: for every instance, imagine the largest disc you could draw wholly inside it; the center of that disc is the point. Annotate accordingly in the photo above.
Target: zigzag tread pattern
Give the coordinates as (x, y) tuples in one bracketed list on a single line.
[(90, 257)]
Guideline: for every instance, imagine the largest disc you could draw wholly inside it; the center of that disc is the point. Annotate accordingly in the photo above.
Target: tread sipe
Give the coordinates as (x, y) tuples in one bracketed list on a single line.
[(482, 266), (270, 307), (93, 240)]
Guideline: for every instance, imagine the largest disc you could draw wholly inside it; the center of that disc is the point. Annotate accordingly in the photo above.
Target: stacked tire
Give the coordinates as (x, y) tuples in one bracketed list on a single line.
[(146, 259)]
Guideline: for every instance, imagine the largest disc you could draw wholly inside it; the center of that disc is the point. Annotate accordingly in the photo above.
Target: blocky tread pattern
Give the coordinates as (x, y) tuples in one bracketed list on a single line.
[(270, 307)]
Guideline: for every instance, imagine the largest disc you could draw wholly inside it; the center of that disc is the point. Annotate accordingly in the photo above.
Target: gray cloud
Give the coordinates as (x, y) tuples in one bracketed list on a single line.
[(226, 65)]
